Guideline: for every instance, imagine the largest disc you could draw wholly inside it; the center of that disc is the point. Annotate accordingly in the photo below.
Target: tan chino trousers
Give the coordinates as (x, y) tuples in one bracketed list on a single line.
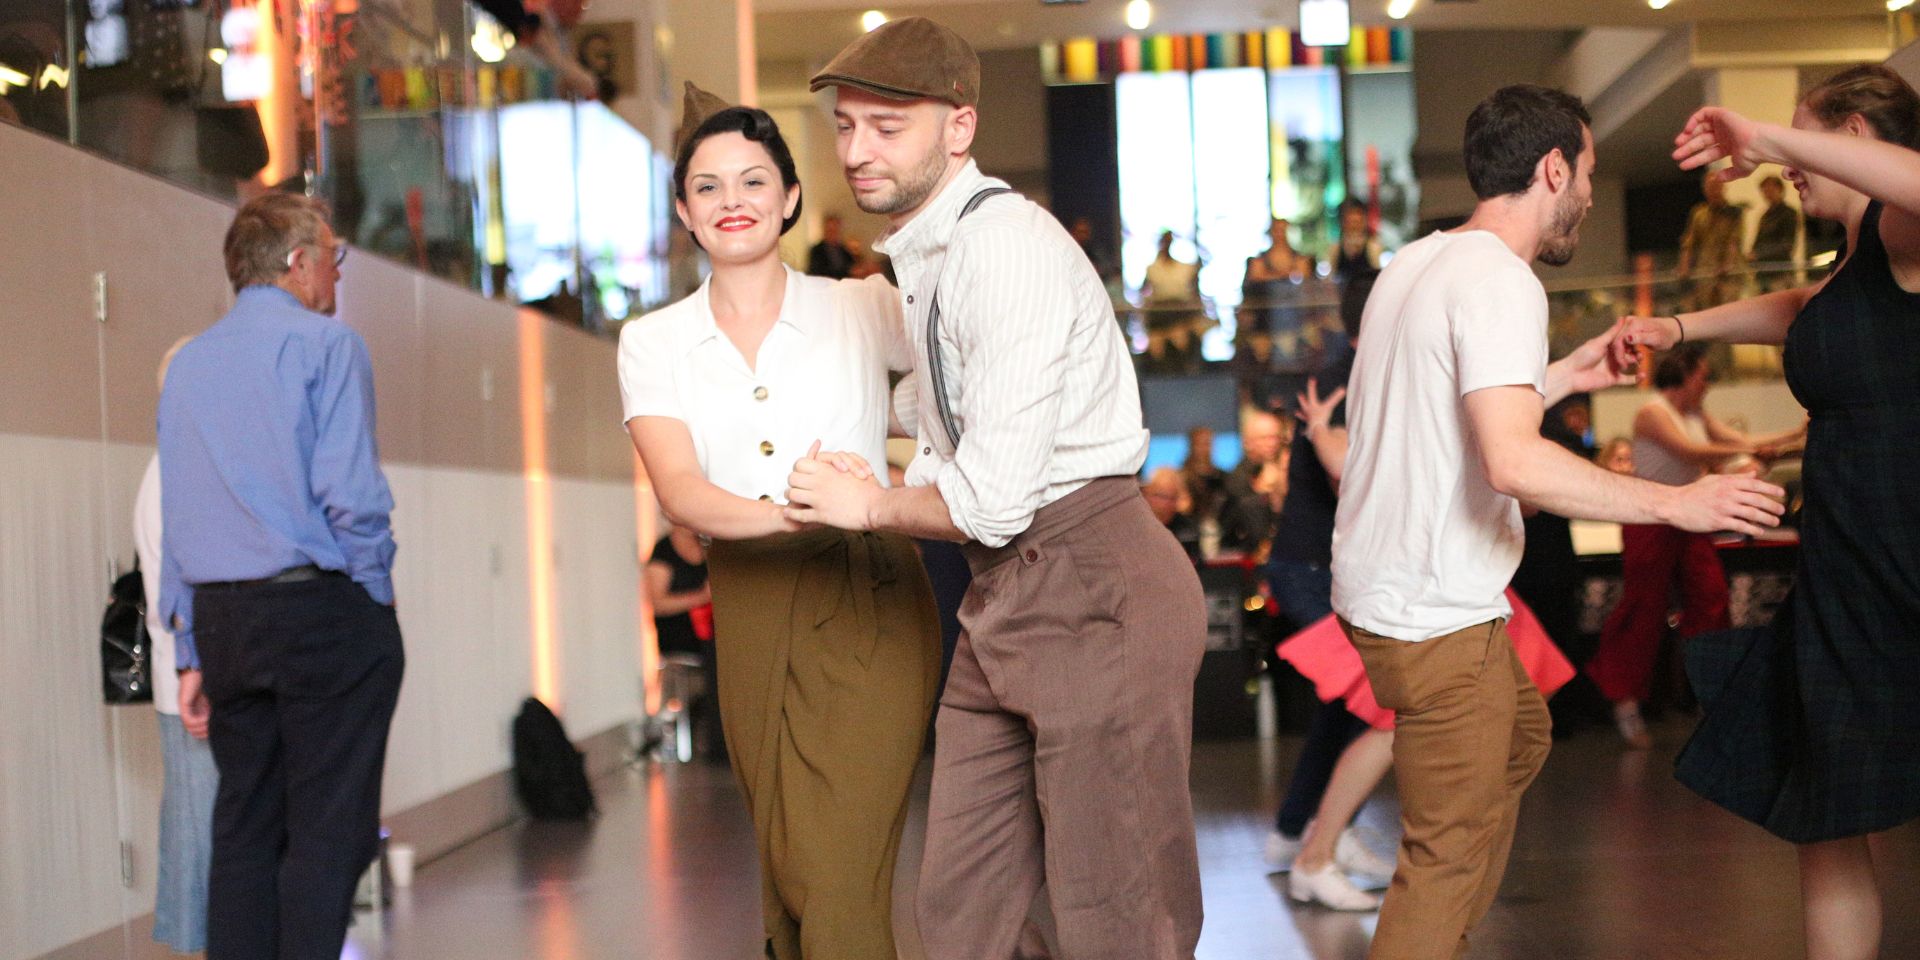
[(1471, 732)]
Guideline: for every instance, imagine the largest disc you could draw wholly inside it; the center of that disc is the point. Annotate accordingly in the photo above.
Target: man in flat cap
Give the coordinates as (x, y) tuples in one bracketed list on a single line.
[(1065, 731)]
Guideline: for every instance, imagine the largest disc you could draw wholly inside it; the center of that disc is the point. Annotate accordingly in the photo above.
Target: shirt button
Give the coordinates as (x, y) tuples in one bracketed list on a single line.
[(927, 450), (909, 299), (759, 393), (766, 448), (1033, 555)]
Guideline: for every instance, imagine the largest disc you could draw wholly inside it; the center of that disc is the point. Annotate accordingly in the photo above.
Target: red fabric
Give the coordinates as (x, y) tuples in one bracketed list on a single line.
[(1323, 654), (702, 617), (1654, 559)]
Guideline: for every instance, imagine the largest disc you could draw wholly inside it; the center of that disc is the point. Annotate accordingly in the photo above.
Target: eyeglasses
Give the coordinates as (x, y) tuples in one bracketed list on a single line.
[(339, 254)]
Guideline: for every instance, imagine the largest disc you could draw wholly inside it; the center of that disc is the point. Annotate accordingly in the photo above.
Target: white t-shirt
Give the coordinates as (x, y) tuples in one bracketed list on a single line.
[(146, 544), (1422, 543), (821, 374)]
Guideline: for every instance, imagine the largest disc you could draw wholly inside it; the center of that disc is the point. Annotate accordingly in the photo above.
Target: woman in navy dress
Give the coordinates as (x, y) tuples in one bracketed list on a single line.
[(1813, 728)]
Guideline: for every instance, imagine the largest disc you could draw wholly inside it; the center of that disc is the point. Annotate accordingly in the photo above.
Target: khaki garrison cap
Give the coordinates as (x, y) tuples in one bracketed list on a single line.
[(908, 59), (699, 107)]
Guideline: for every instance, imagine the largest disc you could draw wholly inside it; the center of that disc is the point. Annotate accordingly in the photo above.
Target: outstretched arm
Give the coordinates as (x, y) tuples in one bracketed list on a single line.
[(1527, 466), (1762, 319)]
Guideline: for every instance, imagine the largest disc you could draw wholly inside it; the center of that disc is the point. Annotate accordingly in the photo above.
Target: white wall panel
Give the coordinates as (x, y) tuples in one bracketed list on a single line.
[(60, 869), (77, 779)]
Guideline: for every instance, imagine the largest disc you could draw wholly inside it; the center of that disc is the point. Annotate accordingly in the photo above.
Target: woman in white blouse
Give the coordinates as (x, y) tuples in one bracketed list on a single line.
[(828, 642)]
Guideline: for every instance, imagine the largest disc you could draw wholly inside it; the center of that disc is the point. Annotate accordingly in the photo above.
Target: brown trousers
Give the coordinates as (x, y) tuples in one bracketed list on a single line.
[(828, 648), (1063, 742), (1470, 735)]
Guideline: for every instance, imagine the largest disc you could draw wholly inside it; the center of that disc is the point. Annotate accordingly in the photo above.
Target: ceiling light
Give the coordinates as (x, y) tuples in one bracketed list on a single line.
[(871, 20), (490, 42), (1658, 4), (55, 76), (1893, 5), (1325, 23), (217, 55), (10, 77), (1140, 14), (1398, 9)]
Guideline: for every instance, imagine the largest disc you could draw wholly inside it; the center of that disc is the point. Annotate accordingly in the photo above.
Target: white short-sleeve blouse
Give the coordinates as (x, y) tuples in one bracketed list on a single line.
[(820, 375)]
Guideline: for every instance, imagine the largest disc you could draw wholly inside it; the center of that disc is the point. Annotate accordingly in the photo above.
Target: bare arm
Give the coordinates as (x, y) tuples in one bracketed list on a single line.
[(821, 492), (1330, 448), (1329, 442), (1522, 464), (1654, 424), (1722, 433), (688, 497), (667, 603), (1591, 366), (1762, 319), (917, 512)]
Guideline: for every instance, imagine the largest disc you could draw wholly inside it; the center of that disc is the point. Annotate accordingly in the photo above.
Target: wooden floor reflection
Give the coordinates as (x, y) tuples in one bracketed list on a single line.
[(1614, 861)]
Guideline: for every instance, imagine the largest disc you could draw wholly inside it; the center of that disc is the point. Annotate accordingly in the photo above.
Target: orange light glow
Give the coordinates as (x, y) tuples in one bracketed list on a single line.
[(745, 42), (645, 535), (533, 449), (279, 123)]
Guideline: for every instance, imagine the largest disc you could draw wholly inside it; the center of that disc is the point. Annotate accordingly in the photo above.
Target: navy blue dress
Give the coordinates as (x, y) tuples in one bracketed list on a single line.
[(1812, 727)]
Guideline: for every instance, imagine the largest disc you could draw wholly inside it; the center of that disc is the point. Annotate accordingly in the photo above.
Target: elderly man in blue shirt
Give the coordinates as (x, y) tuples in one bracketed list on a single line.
[(277, 574)]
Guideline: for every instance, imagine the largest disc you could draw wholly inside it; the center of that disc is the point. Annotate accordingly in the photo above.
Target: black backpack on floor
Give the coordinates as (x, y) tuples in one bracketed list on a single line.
[(548, 773)]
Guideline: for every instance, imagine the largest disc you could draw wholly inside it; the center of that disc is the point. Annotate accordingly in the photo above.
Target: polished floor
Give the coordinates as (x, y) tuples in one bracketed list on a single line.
[(1615, 861)]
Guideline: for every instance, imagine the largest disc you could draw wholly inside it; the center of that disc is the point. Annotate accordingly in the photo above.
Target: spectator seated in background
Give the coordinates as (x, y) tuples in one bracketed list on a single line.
[(1256, 488), (1172, 505), (1616, 456), (682, 602)]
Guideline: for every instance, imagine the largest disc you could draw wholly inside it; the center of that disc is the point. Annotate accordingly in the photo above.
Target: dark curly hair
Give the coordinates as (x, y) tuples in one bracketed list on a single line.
[(1513, 128), (755, 125)]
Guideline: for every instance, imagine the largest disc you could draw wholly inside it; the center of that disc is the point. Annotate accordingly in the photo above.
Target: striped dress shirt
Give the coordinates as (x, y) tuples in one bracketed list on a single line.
[(1036, 372)]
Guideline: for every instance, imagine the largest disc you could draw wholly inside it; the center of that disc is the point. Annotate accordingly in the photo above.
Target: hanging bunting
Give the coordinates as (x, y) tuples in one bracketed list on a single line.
[(1086, 60)]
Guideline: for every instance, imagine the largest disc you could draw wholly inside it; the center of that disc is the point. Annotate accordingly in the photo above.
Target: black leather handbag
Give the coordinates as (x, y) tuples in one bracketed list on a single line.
[(126, 652)]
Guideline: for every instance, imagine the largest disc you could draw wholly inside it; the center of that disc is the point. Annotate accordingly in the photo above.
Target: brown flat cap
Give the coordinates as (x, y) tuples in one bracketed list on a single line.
[(908, 59), (700, 106)]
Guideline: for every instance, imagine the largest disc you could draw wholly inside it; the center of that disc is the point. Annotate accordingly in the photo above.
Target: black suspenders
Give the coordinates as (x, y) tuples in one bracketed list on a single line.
[(935, 373)]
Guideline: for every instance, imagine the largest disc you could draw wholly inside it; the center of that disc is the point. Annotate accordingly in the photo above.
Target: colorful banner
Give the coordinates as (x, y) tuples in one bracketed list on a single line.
[(1084, 60)]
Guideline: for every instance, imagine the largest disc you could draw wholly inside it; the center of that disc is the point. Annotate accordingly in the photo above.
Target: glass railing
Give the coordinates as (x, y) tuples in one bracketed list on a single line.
[(435, 144), (1289, 336)]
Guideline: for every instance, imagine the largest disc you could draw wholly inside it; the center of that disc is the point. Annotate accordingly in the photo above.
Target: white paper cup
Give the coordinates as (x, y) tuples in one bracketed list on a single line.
[(400, 864)]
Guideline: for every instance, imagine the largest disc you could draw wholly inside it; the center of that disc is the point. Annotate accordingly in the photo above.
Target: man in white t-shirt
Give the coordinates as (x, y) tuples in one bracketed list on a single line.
[(1449, 386)]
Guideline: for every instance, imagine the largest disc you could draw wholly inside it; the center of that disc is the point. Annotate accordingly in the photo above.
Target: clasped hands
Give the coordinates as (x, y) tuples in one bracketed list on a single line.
[(837, 489)]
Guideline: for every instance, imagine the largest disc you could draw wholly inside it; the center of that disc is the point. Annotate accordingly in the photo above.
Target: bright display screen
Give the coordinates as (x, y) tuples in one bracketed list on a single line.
[(1230, 174), (1155, 119)]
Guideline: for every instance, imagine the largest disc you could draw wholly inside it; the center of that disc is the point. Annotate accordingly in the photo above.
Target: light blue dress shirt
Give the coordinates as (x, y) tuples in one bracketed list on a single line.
[(267, 457)]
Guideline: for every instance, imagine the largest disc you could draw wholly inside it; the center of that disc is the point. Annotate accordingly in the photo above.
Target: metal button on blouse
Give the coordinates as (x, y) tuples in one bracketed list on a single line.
[(766, 448), (759, 393)]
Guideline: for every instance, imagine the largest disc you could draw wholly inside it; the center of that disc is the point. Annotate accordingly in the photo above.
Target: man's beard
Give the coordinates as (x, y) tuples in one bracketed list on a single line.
[(1563, 238), (910, 191)]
